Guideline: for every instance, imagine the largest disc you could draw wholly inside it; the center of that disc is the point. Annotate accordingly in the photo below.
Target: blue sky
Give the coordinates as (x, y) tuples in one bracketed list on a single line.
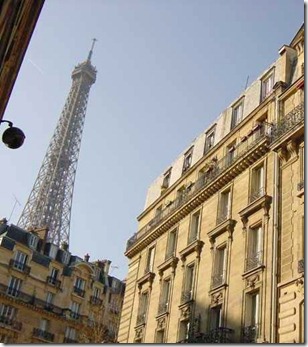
[(166, 69)]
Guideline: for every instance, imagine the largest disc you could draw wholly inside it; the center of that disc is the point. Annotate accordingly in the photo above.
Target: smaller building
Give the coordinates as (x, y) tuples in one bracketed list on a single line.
[(49, 295)]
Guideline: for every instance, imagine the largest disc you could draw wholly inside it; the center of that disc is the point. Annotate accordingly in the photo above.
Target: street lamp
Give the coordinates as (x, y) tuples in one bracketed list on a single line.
[(12, 137)]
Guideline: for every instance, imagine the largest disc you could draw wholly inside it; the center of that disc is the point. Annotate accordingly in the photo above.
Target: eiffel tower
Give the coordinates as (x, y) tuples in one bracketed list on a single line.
[(50, 201)]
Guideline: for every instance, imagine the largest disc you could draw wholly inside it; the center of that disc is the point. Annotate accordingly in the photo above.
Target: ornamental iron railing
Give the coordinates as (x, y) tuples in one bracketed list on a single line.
[(288, 122), (253, 260), (19, 266), (186, 296), (214, 169), (10, 323), (250, 333), (44, 335), (163, 307), (53, 281), (218, 335), (80, 292)]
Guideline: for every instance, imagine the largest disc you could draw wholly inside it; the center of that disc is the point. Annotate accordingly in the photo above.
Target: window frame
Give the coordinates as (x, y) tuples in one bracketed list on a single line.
[(194, 228), (220, 266), (265, 90), (149, 266), (187, 163), (170, 251), (209, 144), (236, 116)]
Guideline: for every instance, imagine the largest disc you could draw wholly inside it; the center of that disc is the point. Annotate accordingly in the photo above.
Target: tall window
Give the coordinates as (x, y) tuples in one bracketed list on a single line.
[(184, 330), (160, 336), (33, 241), (44, 324), (143, 306), (171, 244), (267, 86), (216, 317), (79, 286), (96, 292), (254, 254), (220, 267), (187, 160), (20, 260), (257, 183), (251, 329), (7, 312), (166, 180), (209, 141), (150, 260), (70, 334), (14, 286), (165, 294), (75, 308), (194, 228), (224, 210), (237, 114), (187, 293), (230, 153), (49, 299)]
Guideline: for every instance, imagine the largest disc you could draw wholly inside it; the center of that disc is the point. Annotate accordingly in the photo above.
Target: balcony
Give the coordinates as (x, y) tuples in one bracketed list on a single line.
[(250, 333), (95, 300), (215, 169), (288, 123), (69, 340), (256, 194), (80, 292), (218, 335), (53, 281), (19, 266), (43, 335), (254, 261), (10, 323)]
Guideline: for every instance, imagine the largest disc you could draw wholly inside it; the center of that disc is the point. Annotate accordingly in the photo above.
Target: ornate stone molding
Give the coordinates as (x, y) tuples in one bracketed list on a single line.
[(252, 280), (217, 298), (148, 277), (139, 332), (161, 322), (185, 312), (195, 246), (263, 202), (170, 262), (227, 226)]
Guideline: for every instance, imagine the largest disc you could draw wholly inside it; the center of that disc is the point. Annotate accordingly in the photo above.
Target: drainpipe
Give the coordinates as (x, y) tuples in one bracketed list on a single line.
[(274, 304)]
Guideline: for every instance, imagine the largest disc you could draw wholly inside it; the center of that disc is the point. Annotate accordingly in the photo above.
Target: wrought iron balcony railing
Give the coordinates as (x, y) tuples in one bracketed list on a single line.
[(218, 279), (186, 296), (254, 260), (19, 266), (13, 291), (53, 281), (69, 340), (74, 315), (301, 266), (216, 168), (94, 300), (288, 122), (218, 335), (141, 318), (300, 185), (80, 292), (256, 194), (44, 335), (163, 307), (250, 333), (10, 323)]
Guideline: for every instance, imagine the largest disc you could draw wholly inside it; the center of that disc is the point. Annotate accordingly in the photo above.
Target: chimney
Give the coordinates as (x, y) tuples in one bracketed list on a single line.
[(86, 257), (40, 232), (106, 265), (64, 246)]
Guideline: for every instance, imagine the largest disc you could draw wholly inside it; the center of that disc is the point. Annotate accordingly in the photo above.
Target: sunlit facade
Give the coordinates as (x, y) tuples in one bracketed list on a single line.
[(218, 255)]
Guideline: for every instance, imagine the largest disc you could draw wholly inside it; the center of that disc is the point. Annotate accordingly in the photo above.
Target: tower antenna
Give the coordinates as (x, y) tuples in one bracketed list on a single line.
[(91, 50)]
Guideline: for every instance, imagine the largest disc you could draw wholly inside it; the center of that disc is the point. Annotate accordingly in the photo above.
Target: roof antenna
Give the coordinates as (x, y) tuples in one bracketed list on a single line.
[(91, 50), (246, 82)]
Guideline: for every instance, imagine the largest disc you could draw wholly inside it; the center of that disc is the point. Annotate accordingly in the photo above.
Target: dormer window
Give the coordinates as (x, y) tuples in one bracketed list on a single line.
[(65, 257), (237, 114), (166, 180), (187, 160), (33, 241), (267, 86)]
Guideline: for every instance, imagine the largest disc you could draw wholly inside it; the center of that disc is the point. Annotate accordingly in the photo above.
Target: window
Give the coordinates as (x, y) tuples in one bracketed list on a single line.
[(187, 293), (164, 299), (70, 333), (166, 180), (33, 240), (194, 228), (171, 244), (158, 213), (160, 336), (20, 260), (79, 286), (7, 312), (150, 260), (267, 86), (96, 292), (220, 267), (143, 306), (53, 251), (187, 160), (257, 183), (44, 324), (49, 299), (75, 308), (216, 317), (209, 141), (237, 114), (65, 257), (184, 330), (254, 254), (53, 278), (230, 153), (14, 286), (251, 330), (224, 210)]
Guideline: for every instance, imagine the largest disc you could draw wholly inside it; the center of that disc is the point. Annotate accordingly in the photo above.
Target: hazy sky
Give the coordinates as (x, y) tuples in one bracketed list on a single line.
[(166, 69)]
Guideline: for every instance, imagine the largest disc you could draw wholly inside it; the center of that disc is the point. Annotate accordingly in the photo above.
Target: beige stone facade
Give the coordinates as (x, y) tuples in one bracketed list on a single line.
[(49, 295), (218, 256)]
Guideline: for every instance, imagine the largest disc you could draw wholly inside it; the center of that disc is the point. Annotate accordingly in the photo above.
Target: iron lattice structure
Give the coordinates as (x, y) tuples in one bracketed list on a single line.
[(50, 201)]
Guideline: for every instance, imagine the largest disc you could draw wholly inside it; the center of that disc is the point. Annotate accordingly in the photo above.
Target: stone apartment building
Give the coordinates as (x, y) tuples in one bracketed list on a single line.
[(218, 255), (49, 295)]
